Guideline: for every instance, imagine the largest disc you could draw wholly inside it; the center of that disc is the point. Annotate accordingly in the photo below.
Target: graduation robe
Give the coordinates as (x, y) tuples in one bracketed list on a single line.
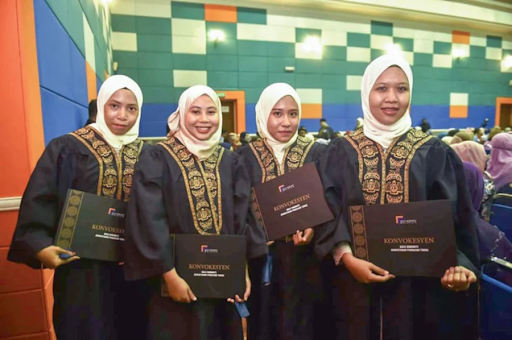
[(416, 167), (91, 298), (291, 306), (174, 193)]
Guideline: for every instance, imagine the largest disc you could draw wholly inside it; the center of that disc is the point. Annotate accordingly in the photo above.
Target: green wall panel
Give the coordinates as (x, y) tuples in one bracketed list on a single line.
[(308, 81), (155, 60), (130, 72), (442, 47), (223, 80), (154, 43), (163, 78), (288, 78), (493, 41), (279, 64), (381, 28), (252, 79), (358, 40), (423, 59), (186, 10), (280, 49), (253, 94), (405, 44), (147, 25), (252, 64), (334, 53), (189, 62), (124, 23), (308, 66), (251, 15), (158, 95), (126, 59), (252, 48), (221, 63), (334, 81)]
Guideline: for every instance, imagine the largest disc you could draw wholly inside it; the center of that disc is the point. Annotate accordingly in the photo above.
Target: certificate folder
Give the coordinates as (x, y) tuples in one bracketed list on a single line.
[(92, 226), (407, 239), (291, 202), (213, 266)]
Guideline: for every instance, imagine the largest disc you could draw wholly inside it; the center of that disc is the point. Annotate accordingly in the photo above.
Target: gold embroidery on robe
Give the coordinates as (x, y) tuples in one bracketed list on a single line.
[(115, 172), (390, 184), (203, 185), (294, 157)]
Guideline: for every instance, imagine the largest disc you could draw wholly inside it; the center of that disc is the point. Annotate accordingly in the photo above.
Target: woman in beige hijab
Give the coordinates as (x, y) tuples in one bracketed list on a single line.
[(188, 184)]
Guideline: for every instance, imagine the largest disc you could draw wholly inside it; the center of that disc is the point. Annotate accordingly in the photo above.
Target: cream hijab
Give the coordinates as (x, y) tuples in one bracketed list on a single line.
[(108, 88), (373, 129), (201, 149), (268, 99)]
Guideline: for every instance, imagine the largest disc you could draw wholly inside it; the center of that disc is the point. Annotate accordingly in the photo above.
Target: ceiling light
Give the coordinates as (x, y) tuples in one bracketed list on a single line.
[(312, 44), (216, 35), (507, 62), (459, 53)]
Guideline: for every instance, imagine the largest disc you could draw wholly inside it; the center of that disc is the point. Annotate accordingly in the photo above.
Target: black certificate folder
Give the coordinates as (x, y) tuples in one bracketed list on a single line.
[(213, 266), (407, 239), (92, 226)]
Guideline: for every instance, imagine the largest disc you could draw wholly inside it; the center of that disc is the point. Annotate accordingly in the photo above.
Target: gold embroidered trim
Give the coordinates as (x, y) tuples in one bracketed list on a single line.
[(391, 183), (115, 173), (294, 157), (359, 232), (203, 185)]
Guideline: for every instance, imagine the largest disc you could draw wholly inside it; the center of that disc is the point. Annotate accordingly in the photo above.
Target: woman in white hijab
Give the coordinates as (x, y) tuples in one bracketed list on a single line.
[(91, 298), (188, 184), (287, 304), (387, 162)]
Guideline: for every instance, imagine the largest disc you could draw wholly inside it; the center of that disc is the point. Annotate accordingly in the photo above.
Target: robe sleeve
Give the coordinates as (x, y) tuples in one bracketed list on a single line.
[(39, 210), (446, 180), (331, 168), (245, 222), (148, 247)]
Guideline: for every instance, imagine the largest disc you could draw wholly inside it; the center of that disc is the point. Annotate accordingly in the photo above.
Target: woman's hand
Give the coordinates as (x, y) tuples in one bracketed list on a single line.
[(458, 278), (49, 256), (247, 289), (303, 238), (179, 290), (364, 271)]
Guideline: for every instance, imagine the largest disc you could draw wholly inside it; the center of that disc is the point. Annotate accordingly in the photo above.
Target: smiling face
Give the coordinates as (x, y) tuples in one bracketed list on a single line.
[(390, 96), (202, 118), (284, 119), (121, 112)]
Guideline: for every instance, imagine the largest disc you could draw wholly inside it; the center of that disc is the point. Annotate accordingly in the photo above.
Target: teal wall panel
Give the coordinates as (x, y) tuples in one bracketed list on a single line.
[(189, 62), (222, 63), (302, 33), (252, 79), (252, 64), (126, 59), (223, 80), (251, 15), (147, 25), (358, 40), (280, 49), (186, 10), (381, 28), (279, 64), (124, 23), (154, 43), (228, 46), (155, 60), (288, 78), (334, 53), (253, 48), (493, 41), (308, 81)]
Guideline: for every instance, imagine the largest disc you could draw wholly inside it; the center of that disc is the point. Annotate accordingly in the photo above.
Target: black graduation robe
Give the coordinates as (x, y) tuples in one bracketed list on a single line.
[(91, 298), (416, 167), (174, 193), (291, 306)]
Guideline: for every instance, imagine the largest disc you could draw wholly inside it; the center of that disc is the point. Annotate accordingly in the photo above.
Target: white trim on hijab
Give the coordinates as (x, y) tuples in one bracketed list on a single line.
[(201, 149), (268, 99), (373, 129), (108, 88)]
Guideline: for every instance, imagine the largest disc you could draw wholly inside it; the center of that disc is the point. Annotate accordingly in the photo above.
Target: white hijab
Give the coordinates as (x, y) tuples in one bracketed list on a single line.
[(268, 99), (201, 149), (108, 88), (373, 129)]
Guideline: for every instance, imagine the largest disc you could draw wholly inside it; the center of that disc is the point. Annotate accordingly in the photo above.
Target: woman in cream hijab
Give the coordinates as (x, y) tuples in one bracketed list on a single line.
[(387, 162), (91, 298), (188, 184), (286, 302)]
